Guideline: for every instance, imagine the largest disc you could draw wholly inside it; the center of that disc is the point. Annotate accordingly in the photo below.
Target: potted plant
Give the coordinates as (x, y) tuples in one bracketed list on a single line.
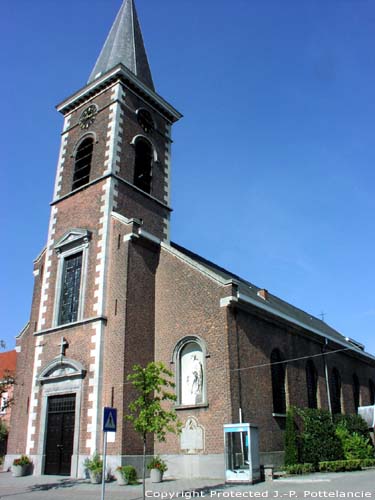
[(21, 466), (95, 467), (157, 467), (126, 474)]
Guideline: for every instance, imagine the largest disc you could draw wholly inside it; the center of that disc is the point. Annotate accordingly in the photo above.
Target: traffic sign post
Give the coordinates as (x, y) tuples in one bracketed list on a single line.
[(109, 425)]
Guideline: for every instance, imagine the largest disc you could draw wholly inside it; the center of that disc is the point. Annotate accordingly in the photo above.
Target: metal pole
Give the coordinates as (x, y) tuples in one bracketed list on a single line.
[(326, 376), (104, 463)]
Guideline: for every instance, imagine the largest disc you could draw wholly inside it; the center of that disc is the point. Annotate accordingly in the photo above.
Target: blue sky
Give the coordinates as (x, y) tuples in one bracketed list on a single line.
[(273, 162)]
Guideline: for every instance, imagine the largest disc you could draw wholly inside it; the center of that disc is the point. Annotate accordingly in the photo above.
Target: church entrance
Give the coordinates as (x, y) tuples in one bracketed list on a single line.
[(60, 434)]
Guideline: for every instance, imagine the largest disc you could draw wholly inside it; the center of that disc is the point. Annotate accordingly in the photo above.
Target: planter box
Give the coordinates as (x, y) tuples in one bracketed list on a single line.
[(121, 480), (19, 470), (95, 477), (156, 476)]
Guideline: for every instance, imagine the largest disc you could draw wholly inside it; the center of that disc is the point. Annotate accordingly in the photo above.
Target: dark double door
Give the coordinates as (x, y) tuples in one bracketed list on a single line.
[(60, 435)]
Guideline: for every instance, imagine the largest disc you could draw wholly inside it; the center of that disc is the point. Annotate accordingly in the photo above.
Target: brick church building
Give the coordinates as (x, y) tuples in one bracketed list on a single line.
[(112, 289)]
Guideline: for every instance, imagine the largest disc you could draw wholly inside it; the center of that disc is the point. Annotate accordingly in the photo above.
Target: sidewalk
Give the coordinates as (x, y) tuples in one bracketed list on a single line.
[(359, 484)]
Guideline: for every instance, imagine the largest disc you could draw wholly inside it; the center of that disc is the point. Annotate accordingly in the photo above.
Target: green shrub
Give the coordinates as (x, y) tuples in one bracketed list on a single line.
[(129, 473), (368, 462), (290, 439), (353, 423), (94, 464), (354, 445), (157, 463), (340, 466), (23, 460), (3, 431), (318, 439), (300, 468)]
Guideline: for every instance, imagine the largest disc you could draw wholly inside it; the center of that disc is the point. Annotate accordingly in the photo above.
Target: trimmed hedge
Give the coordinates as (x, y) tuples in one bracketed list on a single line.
[(300, 469), (340, 466), (318, 439), (368, 462), (333, 466)]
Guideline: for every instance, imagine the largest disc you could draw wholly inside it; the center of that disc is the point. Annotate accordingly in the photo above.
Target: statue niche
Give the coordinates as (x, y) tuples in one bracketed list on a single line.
[(191, 374)]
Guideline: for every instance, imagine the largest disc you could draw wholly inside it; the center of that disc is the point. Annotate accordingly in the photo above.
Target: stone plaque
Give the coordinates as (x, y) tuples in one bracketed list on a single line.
[(192, 437)]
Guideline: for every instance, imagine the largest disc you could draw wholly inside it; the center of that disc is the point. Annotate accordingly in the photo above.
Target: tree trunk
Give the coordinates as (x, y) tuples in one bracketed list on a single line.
[(144, 468)]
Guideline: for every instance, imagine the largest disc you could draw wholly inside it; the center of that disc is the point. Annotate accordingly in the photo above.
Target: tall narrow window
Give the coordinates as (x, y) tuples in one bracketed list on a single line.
[(71, 282), (371, 387), (336, 391), (82, 164), (143, 165), (356, 390), (312, 384), (278, 382)]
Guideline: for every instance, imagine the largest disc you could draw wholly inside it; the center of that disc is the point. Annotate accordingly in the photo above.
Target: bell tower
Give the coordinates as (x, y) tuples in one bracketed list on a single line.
[(94, 281)]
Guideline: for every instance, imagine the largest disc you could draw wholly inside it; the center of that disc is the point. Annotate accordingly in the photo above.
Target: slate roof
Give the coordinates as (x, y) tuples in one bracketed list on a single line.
[(124, 45), (7, 362), (277, 305)]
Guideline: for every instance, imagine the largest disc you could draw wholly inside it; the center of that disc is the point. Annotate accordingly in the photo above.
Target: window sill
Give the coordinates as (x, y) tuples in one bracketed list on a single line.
[(71, 325), (191, 407), (279, 415)]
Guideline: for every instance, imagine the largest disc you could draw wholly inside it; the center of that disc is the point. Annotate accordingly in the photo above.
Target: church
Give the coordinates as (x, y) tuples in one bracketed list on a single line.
[(112, 290)]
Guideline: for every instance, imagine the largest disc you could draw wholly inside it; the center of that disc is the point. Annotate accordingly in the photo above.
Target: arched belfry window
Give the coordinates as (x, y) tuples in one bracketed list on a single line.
[(190, 358), (311, 384), (278, 372), (356, 392), (143, 164), (336, 391), (82, 166), (371, 387)]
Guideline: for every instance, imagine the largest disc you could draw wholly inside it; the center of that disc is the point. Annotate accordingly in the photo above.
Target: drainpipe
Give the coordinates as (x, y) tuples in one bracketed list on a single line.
[(326, 375)]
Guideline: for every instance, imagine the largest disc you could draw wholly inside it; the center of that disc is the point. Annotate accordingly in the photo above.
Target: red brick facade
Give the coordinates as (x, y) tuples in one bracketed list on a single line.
[(140, 297)]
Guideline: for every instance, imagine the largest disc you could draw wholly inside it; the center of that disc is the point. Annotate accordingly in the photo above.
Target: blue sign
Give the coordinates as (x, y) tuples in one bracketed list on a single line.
[(109, 419)]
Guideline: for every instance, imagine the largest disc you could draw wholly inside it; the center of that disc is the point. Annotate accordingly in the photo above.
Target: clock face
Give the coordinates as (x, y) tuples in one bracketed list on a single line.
[(145, 120), (88, 116)]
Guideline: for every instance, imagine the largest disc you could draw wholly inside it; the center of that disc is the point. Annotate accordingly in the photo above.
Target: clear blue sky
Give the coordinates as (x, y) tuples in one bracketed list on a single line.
[(273, 162)]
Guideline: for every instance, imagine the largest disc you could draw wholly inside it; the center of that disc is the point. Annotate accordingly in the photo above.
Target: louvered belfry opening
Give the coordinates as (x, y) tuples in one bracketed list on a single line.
[(143, 165), (82, 164), (71, 283)]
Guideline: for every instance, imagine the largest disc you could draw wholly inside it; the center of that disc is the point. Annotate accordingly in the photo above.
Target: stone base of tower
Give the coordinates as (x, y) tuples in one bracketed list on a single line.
[(179, 466), (195, 466)]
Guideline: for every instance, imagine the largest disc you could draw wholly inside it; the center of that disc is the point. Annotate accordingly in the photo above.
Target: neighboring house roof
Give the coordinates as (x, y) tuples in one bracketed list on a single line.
[(273, 304), (7, 362)]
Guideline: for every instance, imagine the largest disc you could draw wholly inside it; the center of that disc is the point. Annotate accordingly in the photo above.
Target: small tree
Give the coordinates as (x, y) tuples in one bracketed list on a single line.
[(147, 414)]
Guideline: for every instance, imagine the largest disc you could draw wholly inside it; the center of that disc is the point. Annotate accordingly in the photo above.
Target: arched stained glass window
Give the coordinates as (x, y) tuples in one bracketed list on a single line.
[(336, 391), (356, 391), (312, 384), (371, 387), (278, 370)]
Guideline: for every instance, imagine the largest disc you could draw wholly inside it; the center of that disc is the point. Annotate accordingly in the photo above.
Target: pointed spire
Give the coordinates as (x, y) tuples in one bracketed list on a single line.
[(124, 45)]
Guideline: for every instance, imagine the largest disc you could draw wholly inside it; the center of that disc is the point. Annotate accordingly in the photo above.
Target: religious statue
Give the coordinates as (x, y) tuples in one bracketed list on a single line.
[(194, 380)]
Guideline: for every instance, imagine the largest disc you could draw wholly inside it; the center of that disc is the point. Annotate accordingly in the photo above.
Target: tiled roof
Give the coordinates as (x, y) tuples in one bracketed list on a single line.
[(273, 303), (124, 45), (7, 362)]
